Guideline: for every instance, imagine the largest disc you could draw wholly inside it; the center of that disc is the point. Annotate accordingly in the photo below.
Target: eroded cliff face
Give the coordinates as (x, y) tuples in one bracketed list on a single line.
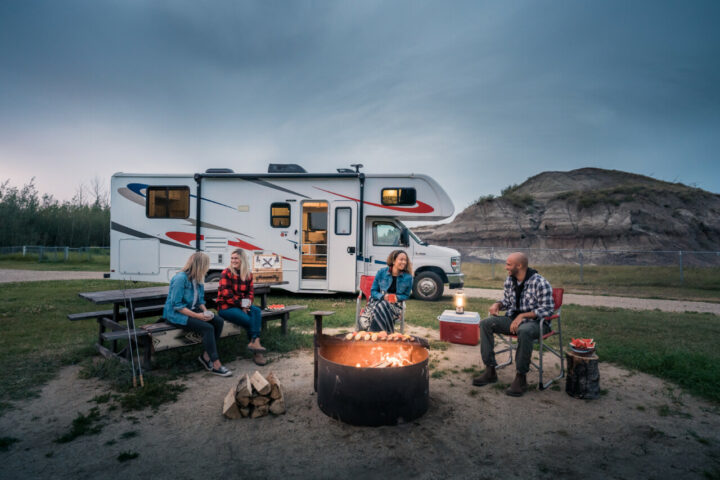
[(588, 209)]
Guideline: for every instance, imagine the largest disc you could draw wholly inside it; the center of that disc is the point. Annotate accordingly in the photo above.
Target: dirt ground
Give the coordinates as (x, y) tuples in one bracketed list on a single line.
[(641, 427)]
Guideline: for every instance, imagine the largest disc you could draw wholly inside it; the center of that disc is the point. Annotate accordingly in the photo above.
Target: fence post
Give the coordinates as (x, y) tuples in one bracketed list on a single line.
[(680, 261), (41, 253), (492, 261), (24, 250), (580, 257), (67, 253)]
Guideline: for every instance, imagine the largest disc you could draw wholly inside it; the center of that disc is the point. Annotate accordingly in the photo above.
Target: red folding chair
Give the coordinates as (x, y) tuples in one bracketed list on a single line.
[(364, 288), (511, 342)]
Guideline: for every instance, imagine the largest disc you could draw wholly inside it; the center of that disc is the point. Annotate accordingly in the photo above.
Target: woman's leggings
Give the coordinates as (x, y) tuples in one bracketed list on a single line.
[(251, 321), (210, 332)]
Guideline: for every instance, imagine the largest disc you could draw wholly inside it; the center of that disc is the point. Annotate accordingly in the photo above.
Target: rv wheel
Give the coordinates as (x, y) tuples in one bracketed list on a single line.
[(213, 277), (428, 286)]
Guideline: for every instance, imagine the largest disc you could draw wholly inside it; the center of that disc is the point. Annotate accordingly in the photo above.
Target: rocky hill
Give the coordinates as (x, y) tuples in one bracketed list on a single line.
[(589, 208)]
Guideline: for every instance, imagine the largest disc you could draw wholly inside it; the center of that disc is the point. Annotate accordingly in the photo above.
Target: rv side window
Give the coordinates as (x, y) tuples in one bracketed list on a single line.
[(386, 234), (398, 196), (280, 215), (167, 202), (343, 221)]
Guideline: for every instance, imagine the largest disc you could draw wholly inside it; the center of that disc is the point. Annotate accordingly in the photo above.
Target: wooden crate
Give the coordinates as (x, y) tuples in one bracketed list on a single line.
[(267, 268)]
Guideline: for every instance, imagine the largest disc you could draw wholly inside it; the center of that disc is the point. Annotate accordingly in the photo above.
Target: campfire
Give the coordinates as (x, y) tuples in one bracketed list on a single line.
[(371, 378)]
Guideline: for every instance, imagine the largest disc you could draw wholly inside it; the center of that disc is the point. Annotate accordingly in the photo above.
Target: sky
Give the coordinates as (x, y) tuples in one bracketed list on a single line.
[(477, 94)]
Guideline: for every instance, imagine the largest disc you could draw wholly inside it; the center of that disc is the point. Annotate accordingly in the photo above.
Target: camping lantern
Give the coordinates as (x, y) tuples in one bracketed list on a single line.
[(459, 302)]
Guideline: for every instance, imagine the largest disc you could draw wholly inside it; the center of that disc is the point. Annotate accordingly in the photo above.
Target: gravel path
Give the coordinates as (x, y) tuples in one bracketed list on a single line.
[(7, 275), (615, 302)]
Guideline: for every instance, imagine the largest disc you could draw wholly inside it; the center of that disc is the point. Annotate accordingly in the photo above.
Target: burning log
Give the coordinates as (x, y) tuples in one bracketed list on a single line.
[(254, 396)]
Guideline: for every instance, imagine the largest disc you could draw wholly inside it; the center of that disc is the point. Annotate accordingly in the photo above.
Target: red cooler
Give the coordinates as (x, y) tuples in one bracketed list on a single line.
[(461, 328)]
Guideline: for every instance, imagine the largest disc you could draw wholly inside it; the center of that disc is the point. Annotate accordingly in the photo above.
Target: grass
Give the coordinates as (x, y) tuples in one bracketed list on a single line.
[(83, 425), (36, 340), (702, 284), (94, 262)]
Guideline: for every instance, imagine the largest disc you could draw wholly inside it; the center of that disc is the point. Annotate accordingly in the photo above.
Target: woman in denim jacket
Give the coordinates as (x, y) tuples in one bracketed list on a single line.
[(185, 307), (391, 287)]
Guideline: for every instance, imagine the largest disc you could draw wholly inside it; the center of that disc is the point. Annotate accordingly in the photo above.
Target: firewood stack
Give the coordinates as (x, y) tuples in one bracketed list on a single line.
[(255, 396)]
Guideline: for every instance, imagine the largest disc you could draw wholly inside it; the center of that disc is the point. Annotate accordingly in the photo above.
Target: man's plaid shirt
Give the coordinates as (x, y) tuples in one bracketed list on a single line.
[(231, 290), (536, 296)]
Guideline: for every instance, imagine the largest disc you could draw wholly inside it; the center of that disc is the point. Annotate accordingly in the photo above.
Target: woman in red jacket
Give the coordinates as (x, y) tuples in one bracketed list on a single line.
[(234, 303)]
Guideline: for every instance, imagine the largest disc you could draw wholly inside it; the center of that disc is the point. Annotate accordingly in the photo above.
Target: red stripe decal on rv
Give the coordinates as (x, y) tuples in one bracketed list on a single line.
[(421, 207), (244, 245), (183, 237)]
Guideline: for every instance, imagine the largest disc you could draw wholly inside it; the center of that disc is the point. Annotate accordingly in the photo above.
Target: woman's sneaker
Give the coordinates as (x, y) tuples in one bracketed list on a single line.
[(222, 371), (207, 365)]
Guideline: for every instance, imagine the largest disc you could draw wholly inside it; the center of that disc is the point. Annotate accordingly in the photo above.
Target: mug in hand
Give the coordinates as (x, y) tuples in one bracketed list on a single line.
[(245, 303)]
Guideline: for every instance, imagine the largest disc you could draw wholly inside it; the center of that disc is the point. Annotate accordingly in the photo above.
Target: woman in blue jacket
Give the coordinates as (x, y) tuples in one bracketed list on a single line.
[(392, 286), (185, 307)]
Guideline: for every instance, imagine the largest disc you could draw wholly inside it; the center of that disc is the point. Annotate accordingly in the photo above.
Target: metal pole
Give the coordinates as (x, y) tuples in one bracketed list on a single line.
[(580, 256), (67, 253), (492, 261), (680, 260)]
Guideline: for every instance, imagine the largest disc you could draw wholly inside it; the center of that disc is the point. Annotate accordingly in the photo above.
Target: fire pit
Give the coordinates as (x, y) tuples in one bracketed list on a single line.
[(370, 382)]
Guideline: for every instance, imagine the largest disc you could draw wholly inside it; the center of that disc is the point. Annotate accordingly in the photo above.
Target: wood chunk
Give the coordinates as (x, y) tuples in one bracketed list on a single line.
[(243, 401), (276, 388), (244, 388), (245, 412), (259, 383), (260, 411), (277, 407), (260, 400), (230, 407)]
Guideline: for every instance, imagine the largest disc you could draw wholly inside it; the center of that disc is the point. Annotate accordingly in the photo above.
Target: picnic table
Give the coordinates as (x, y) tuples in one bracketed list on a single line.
[(129, 304)]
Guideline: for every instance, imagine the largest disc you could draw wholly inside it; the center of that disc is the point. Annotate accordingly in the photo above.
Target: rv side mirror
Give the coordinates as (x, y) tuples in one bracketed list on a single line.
[(405, 237)]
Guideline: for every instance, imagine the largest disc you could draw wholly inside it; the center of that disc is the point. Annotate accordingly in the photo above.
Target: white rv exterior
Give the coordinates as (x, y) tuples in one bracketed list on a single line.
[(329, 229)]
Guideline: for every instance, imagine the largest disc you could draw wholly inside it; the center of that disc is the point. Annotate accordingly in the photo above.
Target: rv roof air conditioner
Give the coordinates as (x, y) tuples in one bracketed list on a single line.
[(285, 168), (219, 170)]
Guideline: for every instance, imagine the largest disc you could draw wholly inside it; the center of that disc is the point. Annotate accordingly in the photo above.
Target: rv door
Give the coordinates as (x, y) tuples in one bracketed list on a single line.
[(341, 251)]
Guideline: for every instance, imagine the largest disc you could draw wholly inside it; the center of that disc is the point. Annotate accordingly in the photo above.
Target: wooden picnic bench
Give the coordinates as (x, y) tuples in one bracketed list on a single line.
[(154, 337)]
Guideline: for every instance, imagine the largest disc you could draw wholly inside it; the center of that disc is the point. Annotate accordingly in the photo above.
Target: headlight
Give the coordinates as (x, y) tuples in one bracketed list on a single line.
[(455, 264)]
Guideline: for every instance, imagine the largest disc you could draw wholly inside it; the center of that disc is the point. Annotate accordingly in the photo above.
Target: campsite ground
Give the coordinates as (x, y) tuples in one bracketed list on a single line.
[(641, 427), (55, 422)]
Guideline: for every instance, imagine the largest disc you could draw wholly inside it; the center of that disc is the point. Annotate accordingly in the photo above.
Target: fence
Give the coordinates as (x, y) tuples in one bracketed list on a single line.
[(678, 261), (56, 253)]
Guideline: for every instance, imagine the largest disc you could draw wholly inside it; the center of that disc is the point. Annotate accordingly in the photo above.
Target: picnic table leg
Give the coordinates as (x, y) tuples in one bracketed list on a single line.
[(284, 323), (116, 317), (263, 301), (147, 353)]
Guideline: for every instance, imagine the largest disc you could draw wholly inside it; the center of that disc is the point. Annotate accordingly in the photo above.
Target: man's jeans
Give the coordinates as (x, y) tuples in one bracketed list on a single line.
[(527, 333)]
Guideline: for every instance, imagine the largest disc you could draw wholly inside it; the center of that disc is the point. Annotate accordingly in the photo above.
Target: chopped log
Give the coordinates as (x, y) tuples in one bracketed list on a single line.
[(260, 384), (243, 401), (245, 412), (583, 376), (230, 408), (244, 388), (276, 388), (260, 411), (260, 400), (277, 407)]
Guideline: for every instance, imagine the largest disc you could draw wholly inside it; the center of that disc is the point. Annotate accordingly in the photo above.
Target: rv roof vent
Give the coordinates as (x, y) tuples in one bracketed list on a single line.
[(285, 168), (219, 170)]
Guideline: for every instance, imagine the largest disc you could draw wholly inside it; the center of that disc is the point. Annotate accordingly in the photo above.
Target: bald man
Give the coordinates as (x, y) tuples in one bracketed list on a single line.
[(527, 300)]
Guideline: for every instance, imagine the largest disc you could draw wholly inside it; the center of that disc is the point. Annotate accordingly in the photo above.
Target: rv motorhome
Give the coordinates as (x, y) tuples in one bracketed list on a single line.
[(329, 229)]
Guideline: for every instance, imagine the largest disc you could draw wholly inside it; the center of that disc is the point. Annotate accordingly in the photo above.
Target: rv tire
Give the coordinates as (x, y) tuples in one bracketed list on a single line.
[(213, 277), (428, 286)]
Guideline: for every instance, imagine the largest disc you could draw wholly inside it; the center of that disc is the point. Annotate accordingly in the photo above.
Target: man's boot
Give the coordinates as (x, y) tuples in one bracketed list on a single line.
[(518, 386), (490, 376)]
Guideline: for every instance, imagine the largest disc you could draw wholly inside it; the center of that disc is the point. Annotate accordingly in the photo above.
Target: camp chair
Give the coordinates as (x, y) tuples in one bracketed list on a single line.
[(364, 288), (511, 343)]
